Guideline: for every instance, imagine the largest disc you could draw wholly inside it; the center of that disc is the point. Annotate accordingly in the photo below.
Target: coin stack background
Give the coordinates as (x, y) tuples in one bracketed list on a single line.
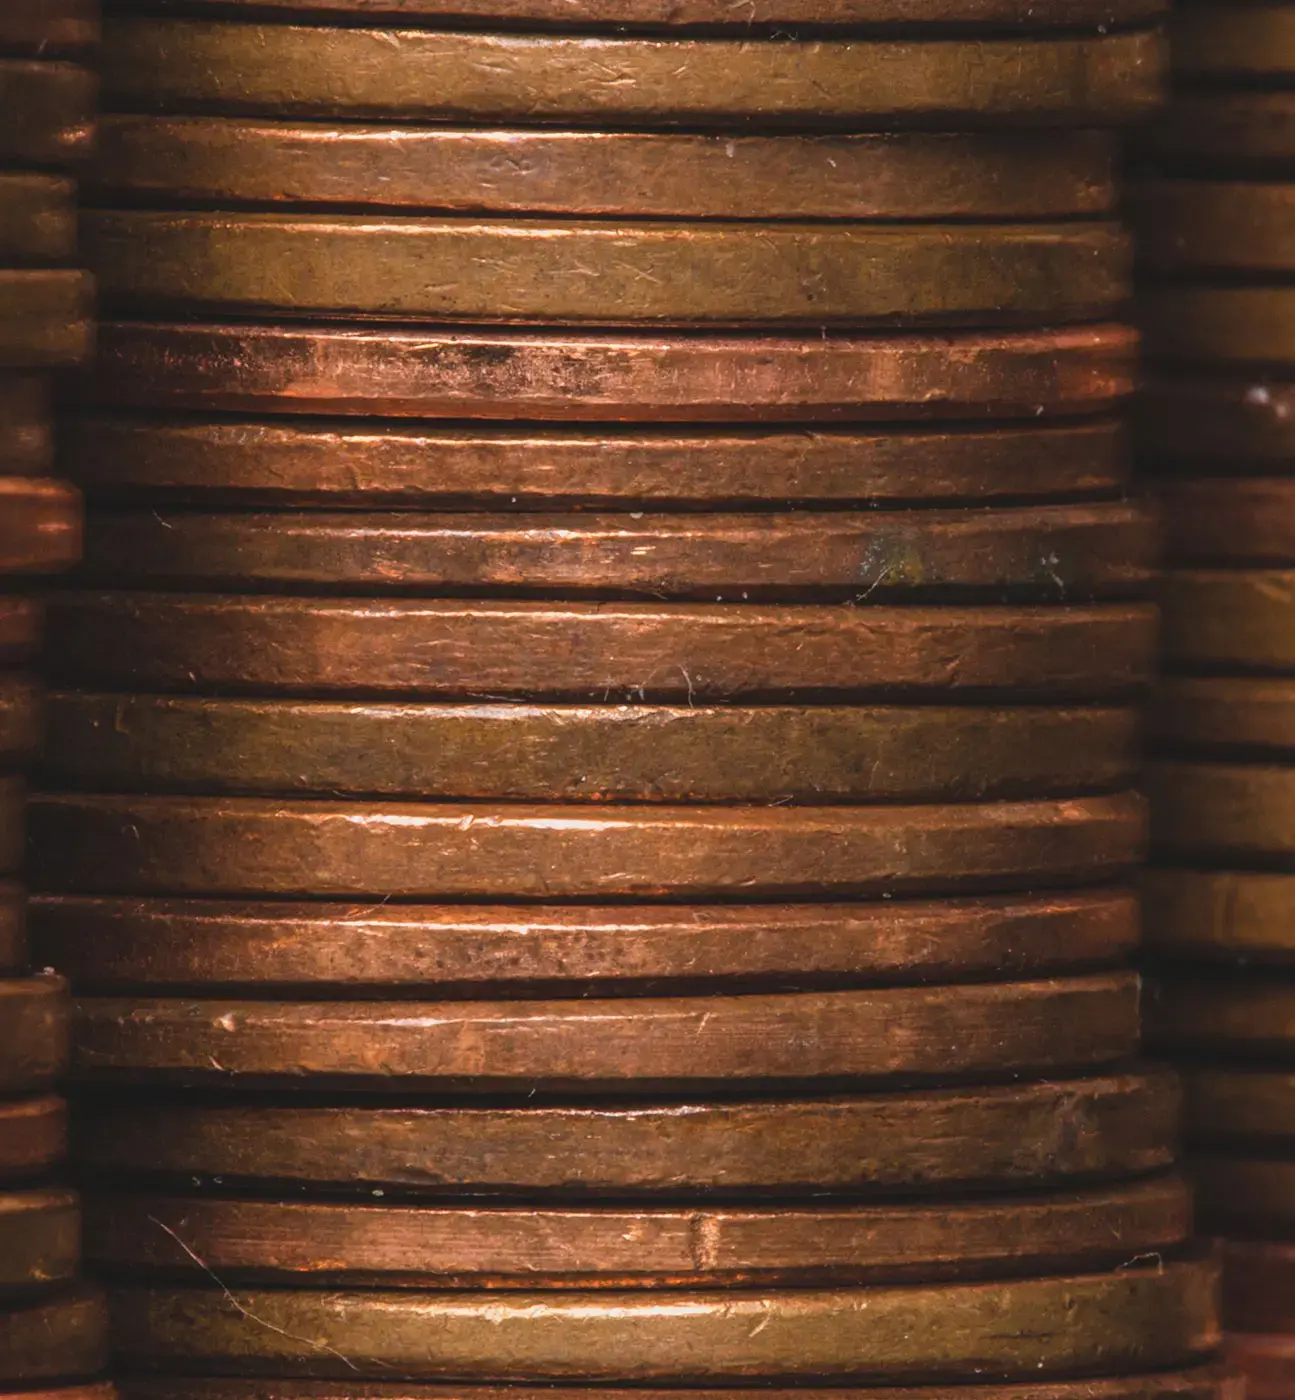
[(589, 796), (1218, 237)]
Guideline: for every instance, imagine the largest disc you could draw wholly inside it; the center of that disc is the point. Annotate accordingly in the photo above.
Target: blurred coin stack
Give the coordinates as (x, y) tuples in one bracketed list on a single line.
[(589, 803), (52, 1327), (1217, 222)]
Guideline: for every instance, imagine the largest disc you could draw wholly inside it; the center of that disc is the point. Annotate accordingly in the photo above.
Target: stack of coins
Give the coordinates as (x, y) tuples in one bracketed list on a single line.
[(589, 802), (1218, 225), (52, 1327)]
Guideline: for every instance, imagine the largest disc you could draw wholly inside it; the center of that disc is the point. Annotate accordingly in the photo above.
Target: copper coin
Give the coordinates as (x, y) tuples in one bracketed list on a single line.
[(33, 1032), (85, 844), (1239, 1104), (40, 1237), (264, 69), (1138, 1319), (1229, 619), (1106, 549), (37, 218), (26, 422), (627, 1044), (1228, 326), (606, 273), (1243, 1014), (1226, 713), (635, 651), (1246, 520), (119, 943), (48, 111), (105, 1390), (33, 1135), (48, 26), (21, 622), (392, 1246), (254, 462), (532, 375), (40, 525), (1010, 1136), (21, 722), (1215, 226), (13, 931), (1237, 810), (1237, 425), (229, 161), (1233, 41), (632, 753), (1220, 915), (1226, 132), (1246, 1192), (45, 317), (1266, 1364), (1259, 1286), (54, 1338), (13, 796)]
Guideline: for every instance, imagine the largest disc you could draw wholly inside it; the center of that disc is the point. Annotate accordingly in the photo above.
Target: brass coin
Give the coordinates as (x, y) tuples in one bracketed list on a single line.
[(1244, 1192), (1235, 41), (1221, 325), (1138, 1319), (37, 218), (48, 109), (13, 938), (630, 753), (1244, 1014), (187, 460), (111, 944), (85, 844), (684, 652), (1266, 1364), (1229, 619), (252, 1241), (1227, 133), (230, 161), (1106, 549), (179, 65), (33, 1135), (40, 525), (1220, 915), (54, 1338), (1226, 713), (1259, 1286), (1247, 520), (625, 1044), (48, 26), (605, 273), (21, 726), (40, 1238), (26, 422), (1010, 1136), (21, 622), (33, 1032), (13, 797), (1215, 226), (1222, 425), (1233, 810), (531, 375), (1240, 1104), (45, 317)]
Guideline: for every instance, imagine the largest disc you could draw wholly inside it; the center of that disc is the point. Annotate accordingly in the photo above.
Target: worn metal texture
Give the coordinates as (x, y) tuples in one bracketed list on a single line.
[(21, 626), (1228, 326), (1215, 226), (26, 424), (34, 1014), (1226, 133), (1259, 1286), (1239, 1105), (1220, 915), (45, 317), (13, 928), (1229, 619), (1233, 42), (1253, 1194), (21, 727), (37, 218), (56, 1337), (1266, 1362), (40, 525), (1220, 424), (1242, 716), (1238, 811), (48, 109), (1232, 520), (40, 1238), (33, 1135), (1251, 1015), (48, 26), (13, 796)]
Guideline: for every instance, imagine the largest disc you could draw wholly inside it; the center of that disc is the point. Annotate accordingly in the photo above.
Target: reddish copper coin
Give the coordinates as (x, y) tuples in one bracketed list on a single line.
[(45, 316), (37, 218), (86, 844), (633, 1044), (48, 26), (1244, 715), (33, 1135), (26, 422), (13, 797), (21, 624), (371, 1244), (1010, 1136), (21, 724), (1229, 619), (437, 373), (1258, 1286), (1218, 424), (40, 1238), (1228, 326), (1225, 521), (1226, 132), (1266, 1364), (1243, 1015), (685, 652), (1251, 1192), (33, 1032), (105, 1390), (48, 111), (57, 1337), (1228, 916), (1215, 226), (13, 928), (40, 525), (1224, 811), (1250, 1105)]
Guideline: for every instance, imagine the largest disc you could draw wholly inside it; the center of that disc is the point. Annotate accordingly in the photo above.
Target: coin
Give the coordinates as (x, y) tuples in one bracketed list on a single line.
[(40, 1238), (1229, 619), (1243, 1014), (1228, 133), (110, 944), (37, 218), (187, 460), (229, 161), (517, 375), (45, 317), (105, 1390), (13, 937), (54, 1338), (1233, 41), (1266, 1364), (1238, 425), (179, 65), (1259, 1286), (624, 1044), (48, 111), (1211, 810), (1239, 1104), (686, 652), (1008, 1135), (13, 796), (1104, 549), (26, 421), (1215, 226), (1244, 1192), (33, 1135), (1141, 1318), (1220, 915), (252, 1241), (21, 724), (20, 628), (1228, 326), (1244, 715), (40, 525), (48, 26), (86, 844), (33, 1032), (1247, 520), (630, 753)]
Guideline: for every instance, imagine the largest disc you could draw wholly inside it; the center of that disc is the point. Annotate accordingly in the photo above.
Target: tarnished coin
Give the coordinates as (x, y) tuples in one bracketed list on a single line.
[(106, 1390), (21, 726), (1265, 1363), (1226, 133), (56, 1337), (1243, 1105), (45, 317), (624, 1044), (40, 1238), (13, 932), (190, 460), (1140, 1318), (1245, 1014), (33, 1032), (37, 218), (517, 375), (1105, 549), (48, 26), (1205, 226), (1009, 1135), (13, 797), (1225, 325), (1229, 619), (1251, 1193), (1212, 423), (193, 65), (228, 162), (48, 111), (1241, 715), (112, 944), (26, 421), (86, 844), (21, 623), (1220, 915), (1206, 811), (1222, 521), (633, 753), (40, 525), (1233, 41), (1259, 1286), (33, 1136), (404, 1246), (634, 651)]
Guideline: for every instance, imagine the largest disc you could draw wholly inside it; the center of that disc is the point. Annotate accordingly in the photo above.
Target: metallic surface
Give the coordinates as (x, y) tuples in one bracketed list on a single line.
[(26, 423), (1226, 132), (45, 317), (1230, 520), (48, 112), (179, 65), (56, 1337), (228, 161), (21, 724), (21, 623), (1239, 1104), (1233, 41), (241, 846), (13, 927), (1227, 916), (1245, 1192), (1259, 1286), (1234, 619), (629, 753), (34, 1015), (1225, 713), (40, 1237), (1251, 1015), (1266, 1363), (252, 1241), (33, 1135), (37, 218), (685, 652), (435, 373), (40, 525), (48, 26), (1240, 810), (1205, 226), (1228, 425), (1225, 325), (12, 799)]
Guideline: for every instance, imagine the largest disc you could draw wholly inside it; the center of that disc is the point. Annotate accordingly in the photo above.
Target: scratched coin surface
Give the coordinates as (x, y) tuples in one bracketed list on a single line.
[(1215, 226), (40, 1238), (48, 26), (1241, 811), (1220, 915), (1223, 325), (1244, 716), (1259, 1286), (57, 1336), (48, 111), (45, 317), (1251, 1193), (1223, 425), (37, 218), (1250, 1015), (1229, 619), (33, 1032), (1239, 1105), (1224, 521), (40, 525)]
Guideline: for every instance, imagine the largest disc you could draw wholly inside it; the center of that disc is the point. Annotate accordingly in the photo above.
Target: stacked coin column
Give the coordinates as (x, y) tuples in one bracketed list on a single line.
[(52, 1328), (589, 805), (1219, 239)]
